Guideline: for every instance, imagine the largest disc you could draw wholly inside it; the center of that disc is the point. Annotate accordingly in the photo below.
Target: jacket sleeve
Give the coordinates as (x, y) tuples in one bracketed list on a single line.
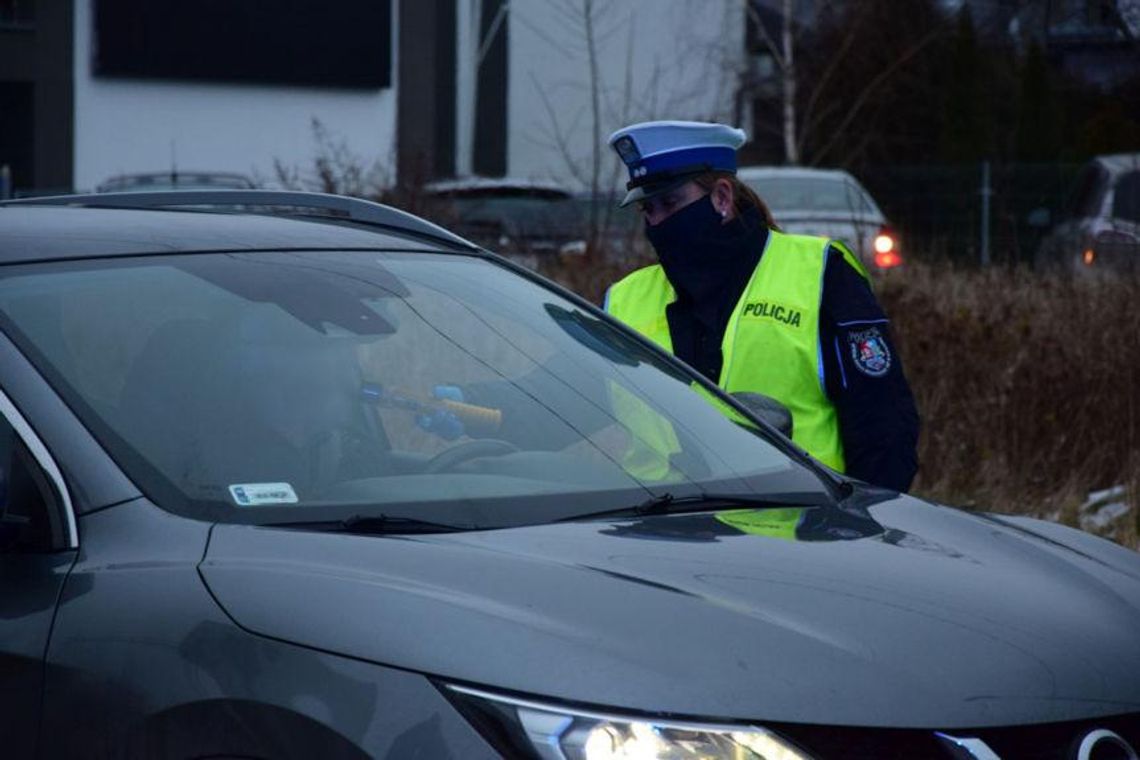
[(863, 374)]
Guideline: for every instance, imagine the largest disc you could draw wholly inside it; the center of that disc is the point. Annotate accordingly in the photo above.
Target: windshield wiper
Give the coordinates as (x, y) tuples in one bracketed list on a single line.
[(375, 525), (667, 503)]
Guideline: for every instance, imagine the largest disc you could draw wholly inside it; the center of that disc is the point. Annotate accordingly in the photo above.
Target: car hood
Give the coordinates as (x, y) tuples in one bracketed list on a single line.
[(932, 618)]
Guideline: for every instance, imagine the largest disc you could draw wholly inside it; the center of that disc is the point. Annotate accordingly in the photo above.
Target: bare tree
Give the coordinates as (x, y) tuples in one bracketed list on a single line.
[(611, 81), (783, 54), (798, 128), (589, 20), (336, 169), (791, 145)]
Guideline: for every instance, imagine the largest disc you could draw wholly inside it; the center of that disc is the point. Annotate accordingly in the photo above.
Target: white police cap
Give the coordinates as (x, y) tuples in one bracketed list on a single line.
[(662, 155)]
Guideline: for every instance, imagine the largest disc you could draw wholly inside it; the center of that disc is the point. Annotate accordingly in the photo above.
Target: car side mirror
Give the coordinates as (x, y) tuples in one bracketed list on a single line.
[(13, 525), (12, 528), (26, 508), (1038, 217), (768, 409)]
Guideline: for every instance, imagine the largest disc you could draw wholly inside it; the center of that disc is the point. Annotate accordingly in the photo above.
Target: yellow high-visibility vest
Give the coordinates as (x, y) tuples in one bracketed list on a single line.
[(771, 344), (774, 523)]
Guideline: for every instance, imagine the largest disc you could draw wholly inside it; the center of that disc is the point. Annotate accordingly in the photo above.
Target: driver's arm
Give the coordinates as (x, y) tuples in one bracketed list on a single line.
[(527, 423)]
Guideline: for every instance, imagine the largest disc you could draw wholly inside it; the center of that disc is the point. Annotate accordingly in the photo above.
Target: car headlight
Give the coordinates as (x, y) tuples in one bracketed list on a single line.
[(557, 733)]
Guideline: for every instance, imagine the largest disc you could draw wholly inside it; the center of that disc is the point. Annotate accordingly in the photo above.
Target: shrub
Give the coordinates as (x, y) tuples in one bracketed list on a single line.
[(1028, 384)]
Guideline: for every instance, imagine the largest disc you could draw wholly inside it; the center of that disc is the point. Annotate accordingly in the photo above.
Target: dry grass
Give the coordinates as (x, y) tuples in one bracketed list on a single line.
[(1028, 384), (590, 275)]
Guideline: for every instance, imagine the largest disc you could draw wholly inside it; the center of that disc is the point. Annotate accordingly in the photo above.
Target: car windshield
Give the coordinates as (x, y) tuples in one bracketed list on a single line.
[(809, 194), (1126, 198), (261, 387)]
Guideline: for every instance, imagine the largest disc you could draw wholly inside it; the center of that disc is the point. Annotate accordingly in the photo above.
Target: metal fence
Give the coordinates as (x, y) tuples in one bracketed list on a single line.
[(972, 213)]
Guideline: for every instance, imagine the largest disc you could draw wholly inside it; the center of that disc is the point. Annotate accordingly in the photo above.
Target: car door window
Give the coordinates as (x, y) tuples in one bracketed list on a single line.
[(857, 200), (1126, 199), (27, 501), (1086, 197)]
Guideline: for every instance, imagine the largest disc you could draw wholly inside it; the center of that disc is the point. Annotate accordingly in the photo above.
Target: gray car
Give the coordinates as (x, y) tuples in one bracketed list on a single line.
[(830, 203), (1100, 225), (513, 215), (335, 483)]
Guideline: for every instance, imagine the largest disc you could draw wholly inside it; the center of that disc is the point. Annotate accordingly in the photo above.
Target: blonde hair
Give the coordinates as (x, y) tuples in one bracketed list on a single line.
[(743, 196)]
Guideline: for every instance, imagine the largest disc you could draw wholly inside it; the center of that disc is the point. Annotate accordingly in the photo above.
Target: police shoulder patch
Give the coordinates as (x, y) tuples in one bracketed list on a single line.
[(869, 351)]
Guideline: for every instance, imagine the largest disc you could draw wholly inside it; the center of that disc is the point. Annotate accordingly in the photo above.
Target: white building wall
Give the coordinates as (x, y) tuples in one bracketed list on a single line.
[(656, 59), (127, 126)]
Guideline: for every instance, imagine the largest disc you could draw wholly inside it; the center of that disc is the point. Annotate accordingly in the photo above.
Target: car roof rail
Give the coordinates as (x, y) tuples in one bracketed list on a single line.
[(342, 207)]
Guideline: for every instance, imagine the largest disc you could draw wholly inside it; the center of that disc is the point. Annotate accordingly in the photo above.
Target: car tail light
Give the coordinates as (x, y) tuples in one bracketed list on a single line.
[(1111, 246), (886, 250)]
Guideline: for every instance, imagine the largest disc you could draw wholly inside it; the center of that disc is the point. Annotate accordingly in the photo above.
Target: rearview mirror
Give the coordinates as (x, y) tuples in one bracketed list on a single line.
[(768, 409)]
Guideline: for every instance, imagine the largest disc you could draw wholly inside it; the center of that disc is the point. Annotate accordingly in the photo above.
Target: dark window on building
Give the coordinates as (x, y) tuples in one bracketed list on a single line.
[(1126, 199), (17, 12), (17, 132), (337, 43)]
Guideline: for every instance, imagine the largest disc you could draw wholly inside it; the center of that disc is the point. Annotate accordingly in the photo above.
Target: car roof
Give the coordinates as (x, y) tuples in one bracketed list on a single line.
[(1120, 162), (792, 172), (34, 232)]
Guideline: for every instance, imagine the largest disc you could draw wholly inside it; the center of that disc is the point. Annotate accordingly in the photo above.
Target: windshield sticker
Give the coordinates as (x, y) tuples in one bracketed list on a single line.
[(261, 494)]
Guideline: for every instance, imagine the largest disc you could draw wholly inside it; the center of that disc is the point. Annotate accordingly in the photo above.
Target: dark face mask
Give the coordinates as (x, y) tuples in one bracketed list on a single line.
[(699, 252)]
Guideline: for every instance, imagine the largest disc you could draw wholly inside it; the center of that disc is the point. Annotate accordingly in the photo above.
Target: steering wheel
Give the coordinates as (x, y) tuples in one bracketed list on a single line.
[(480, 447)]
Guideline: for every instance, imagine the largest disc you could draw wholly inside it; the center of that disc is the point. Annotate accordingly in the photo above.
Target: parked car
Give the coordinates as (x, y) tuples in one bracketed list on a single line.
[(345, 486), (827, 202), (515, 215), (1100, 224), (175, 180)]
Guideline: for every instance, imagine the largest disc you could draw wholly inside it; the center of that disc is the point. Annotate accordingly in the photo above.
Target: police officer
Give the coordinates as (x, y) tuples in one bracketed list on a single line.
[(755, 309)]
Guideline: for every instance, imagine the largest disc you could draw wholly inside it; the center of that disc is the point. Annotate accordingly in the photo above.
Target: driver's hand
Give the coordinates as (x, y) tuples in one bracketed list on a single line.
[(448, 393), (462, 417), (441, 422)]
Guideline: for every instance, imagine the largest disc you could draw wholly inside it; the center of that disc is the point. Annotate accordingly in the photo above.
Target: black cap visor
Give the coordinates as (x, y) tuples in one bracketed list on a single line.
[(660, 182)]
